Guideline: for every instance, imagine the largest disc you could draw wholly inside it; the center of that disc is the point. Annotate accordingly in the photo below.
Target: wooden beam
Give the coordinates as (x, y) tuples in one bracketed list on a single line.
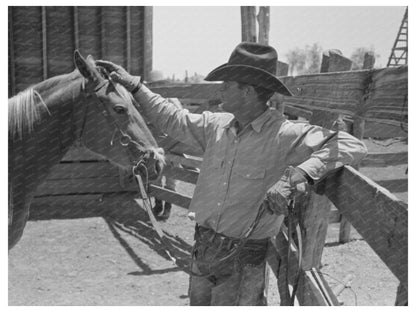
[(147, 41), (170, 196), (96, 185), (12, 62), (44, 44), (369, 60), (181, 174), (263, 19), (385, 159), (76, 27), (334, 61), (313, 289), (128, 39), (209, 91), (101, 12), (282, 69), (377, 215), (190, 162), (248, 24), (81, 170)]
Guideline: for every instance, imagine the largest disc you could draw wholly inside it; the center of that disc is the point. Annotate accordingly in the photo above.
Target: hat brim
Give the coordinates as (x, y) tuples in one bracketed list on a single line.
[(250, 75)]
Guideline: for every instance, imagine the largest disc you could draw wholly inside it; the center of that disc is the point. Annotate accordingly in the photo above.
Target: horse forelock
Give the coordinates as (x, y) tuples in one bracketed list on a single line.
[(25, 109)]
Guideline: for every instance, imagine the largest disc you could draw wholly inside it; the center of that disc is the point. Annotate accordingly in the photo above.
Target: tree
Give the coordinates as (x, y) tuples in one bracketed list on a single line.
[(306, 60)]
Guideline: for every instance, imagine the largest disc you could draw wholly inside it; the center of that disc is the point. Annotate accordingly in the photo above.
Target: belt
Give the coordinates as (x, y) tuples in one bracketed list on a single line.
[(208, 234)]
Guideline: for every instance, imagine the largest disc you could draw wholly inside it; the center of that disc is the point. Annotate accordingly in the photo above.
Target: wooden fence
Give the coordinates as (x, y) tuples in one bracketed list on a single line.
[(370, 102), (37, 34), (378, 216)]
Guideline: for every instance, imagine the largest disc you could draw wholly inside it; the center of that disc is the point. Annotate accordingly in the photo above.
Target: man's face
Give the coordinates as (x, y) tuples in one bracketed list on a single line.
[(231, 96)]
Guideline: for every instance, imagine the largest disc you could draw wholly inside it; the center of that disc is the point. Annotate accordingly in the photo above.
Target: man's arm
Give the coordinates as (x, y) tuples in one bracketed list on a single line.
[(315, 152), (178, 123), (318, 151)]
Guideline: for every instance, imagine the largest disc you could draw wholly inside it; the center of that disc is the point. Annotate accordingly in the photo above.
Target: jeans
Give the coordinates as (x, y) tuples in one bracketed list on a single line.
[(240, 281)]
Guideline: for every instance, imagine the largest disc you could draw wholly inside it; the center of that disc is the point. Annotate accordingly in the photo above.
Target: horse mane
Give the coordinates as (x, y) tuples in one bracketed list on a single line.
[(25, 109)]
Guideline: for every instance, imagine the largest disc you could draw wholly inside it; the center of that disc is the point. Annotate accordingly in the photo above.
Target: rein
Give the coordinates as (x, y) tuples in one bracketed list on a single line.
[(137, 169), (290, 217)]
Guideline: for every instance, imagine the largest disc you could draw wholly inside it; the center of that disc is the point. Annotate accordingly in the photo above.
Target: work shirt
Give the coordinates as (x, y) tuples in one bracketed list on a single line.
[(239, 168)]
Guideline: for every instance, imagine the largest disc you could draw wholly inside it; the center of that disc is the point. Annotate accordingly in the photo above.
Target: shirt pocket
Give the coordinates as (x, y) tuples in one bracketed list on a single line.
[(250, 172), (247, 184)]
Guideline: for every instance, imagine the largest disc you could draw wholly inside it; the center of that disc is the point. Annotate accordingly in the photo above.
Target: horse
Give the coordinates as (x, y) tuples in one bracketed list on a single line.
[(83, 106)]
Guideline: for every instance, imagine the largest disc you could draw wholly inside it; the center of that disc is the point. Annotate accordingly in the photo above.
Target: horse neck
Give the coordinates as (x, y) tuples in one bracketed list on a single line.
[(32, 156)]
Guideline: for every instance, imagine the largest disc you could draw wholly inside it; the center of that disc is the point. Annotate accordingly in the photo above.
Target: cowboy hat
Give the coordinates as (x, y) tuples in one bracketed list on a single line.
[(251, 63)]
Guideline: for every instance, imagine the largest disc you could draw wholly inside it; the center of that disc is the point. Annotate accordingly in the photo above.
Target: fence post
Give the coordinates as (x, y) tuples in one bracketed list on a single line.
[(248, 23), (333, 60), (263, 18), (314, 216), (358, 129)]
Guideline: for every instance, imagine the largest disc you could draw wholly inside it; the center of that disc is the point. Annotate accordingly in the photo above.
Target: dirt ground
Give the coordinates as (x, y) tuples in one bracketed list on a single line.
[(104, 252)]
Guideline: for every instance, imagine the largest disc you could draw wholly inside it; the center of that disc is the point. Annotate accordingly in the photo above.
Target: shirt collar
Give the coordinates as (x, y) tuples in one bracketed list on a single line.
[(256, 124)]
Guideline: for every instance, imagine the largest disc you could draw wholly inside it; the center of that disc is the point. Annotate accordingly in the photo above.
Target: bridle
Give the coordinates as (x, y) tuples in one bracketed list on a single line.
[(125, 139)]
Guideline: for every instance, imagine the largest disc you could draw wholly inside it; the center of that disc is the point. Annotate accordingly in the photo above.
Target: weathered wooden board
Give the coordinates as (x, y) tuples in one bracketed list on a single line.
[(385, 159), (209, 91), (378, 216), (81, 154), (187, 161), (339, 92), (117, 33), (170, 196), (83, 186), (181, 174), (79, 170)]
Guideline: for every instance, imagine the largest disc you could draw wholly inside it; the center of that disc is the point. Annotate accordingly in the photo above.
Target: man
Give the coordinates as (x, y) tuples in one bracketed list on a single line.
[(254, 160)]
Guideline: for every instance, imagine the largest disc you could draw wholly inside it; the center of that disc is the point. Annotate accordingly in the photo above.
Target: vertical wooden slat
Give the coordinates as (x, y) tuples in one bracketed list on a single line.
[(11, 55), (263, 19), (76, 28), (102, 32), (358, 130), (44, 45), (147, 41), (128, 38), (248, 23)]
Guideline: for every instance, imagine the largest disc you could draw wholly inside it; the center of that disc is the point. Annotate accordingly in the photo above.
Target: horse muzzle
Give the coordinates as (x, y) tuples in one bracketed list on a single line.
[(150, 166)]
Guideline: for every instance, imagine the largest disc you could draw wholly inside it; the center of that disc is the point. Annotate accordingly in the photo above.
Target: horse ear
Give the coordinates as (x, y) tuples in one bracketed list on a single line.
[(86, 67)]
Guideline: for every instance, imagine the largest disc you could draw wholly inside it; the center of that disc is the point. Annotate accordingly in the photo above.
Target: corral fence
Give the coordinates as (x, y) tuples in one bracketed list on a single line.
[(377, 215), (367, 103)]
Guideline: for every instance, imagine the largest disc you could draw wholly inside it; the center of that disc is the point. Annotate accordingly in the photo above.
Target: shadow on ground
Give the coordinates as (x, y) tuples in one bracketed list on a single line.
[(123, 215)]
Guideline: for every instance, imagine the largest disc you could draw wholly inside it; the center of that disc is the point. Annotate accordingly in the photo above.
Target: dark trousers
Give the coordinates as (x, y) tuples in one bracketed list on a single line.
[(238, 280)]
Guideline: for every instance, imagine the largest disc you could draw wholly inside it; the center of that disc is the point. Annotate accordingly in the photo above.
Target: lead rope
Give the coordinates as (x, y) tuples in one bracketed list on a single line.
[(291, 210), (148, 207)]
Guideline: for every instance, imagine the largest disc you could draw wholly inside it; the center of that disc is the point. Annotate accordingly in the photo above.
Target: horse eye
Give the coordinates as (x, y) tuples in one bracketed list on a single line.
[(120, 109)]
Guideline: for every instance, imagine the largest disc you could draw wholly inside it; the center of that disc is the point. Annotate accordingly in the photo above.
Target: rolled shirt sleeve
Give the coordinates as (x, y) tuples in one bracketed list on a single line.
[(318, 151), (178, 123)]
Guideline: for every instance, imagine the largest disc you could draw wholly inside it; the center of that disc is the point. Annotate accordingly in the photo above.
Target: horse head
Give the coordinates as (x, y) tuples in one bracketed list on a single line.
[(112, 126)]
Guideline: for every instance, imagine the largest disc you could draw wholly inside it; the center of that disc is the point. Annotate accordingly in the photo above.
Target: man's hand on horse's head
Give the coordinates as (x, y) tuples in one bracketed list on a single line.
[(120, 75)]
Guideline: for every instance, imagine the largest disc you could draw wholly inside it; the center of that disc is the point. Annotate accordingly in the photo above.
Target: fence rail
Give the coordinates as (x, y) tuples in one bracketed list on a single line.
[(378, 216)]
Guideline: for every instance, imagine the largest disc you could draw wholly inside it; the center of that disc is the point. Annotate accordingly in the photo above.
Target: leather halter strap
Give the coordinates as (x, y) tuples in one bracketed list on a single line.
[(125, 139)]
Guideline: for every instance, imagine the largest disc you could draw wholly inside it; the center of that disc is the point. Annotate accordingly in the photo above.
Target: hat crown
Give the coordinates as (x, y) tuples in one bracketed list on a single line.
[(255, 55)]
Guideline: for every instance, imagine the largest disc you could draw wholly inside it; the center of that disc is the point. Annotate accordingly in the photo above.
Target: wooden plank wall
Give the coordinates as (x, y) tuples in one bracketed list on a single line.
[(42, 40)]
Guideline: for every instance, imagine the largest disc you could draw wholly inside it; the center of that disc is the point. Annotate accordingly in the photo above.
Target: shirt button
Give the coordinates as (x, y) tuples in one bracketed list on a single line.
[(225, 183), (219, 204)]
